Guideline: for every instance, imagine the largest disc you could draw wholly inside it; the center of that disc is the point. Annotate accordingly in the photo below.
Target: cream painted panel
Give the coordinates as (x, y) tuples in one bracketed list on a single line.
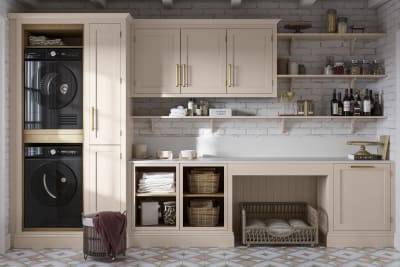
[(203, 61), (105, 175), (250, 53), (105, 83), (362, 197), (157, 55)]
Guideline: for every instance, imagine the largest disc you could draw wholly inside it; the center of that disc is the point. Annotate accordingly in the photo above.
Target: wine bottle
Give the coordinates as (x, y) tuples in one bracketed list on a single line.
[(377, 106), (346, 103), (334, 104), (352, 100), (372, 102), (340, 104), (360, 102), (366, 104), (357, 105)]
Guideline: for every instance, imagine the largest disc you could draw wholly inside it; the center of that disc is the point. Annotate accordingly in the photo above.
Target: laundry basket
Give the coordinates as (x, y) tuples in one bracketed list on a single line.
[(92, 244)]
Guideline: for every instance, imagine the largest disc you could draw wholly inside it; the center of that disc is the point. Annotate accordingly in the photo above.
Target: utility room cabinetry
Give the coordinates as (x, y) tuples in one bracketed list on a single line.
[(105, 115), (205, 58), (362, 197)]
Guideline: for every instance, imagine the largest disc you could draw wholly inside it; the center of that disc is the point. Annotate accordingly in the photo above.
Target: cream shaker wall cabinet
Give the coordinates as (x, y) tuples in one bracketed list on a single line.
[(157, 61), (205, 58), (362, 197), (251, 62)]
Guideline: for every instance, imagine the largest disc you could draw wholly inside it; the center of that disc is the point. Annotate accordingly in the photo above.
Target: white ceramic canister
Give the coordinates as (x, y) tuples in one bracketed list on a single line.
[(293, 68)]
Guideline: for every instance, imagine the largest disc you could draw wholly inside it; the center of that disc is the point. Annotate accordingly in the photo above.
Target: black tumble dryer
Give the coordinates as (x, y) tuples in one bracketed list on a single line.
[(53, 186), (53, 88)]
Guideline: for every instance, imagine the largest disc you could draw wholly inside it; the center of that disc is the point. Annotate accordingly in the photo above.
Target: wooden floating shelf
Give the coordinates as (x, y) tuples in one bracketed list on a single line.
[(203, 195), (332, 77), (331, 36), (261, 117), (54, 46), (156, 194)]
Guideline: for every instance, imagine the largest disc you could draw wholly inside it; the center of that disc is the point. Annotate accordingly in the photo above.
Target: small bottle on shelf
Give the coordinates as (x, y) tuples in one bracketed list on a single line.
[(359, 101), (366, 104), (340, 104), (334, 105), (191, 107), (346, 103)]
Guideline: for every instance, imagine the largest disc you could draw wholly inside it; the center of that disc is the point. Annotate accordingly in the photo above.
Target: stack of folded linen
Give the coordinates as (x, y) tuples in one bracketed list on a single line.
[(157, 182)]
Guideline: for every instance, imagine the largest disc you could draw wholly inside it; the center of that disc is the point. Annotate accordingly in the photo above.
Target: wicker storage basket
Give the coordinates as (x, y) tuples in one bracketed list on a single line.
[(203, 217), (92, 245), (203, 183), (262, 234)]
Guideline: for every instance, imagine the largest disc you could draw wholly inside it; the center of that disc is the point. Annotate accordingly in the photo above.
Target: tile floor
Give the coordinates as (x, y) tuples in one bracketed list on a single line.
[(188, 257)]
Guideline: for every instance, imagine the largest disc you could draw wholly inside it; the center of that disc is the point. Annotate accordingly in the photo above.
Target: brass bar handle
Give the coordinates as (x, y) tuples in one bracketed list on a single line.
[(93, 119), (184, 75), (177, 76), (361, 166), (229, 75)]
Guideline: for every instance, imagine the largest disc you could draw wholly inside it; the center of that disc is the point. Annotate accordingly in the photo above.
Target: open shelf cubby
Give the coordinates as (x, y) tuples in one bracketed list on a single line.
[(70, 34)]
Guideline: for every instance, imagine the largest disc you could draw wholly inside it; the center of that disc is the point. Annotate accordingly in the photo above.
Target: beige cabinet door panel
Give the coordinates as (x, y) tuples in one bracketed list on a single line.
[(362, 197), (157, 60), (203, 61), (250, 61), (105, 83), (105, 178)]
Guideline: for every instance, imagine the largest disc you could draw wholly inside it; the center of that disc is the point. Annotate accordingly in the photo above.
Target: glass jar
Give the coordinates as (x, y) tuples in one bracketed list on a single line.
[(339, 68), (300, 107), (169, 213), (342, 25), (331, 21), (355, 67), (204, 108), (378, 68), (365, 67)]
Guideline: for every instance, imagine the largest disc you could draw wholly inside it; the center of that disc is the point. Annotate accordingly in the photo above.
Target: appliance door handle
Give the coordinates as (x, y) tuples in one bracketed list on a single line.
[(46, 188), (93, 122)]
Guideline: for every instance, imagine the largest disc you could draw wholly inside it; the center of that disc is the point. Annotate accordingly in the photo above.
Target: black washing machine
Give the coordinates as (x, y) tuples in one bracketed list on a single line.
[(53, 186), (53, 88)]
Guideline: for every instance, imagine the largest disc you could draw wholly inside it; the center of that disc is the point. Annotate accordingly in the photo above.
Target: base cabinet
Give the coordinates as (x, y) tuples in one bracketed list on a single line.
[(362, 197), (105, 178)]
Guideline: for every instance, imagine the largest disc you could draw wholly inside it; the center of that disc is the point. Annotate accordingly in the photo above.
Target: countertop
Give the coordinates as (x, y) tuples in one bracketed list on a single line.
[(227, 160)]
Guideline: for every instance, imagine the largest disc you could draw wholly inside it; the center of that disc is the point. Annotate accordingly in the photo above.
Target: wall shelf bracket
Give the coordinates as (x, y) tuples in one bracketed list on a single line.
[(352, 45), (283, 125), (291, 45), (152, 125), (211, 124), (352, 126)]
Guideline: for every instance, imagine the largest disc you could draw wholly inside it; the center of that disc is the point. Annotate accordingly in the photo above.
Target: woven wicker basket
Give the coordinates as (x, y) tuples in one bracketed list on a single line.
[(203, 183), (279, 210), (203, 217), (92, 244)]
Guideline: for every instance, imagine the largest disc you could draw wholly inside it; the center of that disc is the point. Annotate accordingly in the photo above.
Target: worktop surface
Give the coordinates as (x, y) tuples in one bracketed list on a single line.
[(227, 160)]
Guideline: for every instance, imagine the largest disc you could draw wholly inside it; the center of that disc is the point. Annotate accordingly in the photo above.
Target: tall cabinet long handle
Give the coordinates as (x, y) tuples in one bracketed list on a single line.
[(185, 84), (230, 75), (93, 111), (178, 82)]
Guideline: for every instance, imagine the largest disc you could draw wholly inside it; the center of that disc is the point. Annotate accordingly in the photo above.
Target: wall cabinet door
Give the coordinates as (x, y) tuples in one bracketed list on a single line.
[(203, 58), (105, 178), (157, 61), (105, 83), (362, 197), (251, 61)]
